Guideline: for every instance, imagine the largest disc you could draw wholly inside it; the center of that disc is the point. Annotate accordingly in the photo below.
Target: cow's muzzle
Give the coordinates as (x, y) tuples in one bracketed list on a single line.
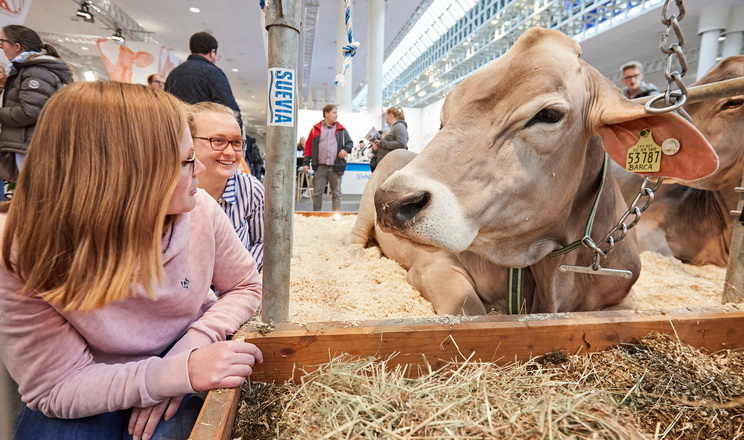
[(396, 211)]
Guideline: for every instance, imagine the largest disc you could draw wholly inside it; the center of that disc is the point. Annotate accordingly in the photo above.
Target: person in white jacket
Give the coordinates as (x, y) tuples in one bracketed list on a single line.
[(120, 279)]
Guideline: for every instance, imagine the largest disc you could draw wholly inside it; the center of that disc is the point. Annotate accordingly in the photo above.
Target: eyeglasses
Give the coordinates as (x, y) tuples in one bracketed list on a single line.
[(629, 77), (190, 160), (3, 41), (219, 144)]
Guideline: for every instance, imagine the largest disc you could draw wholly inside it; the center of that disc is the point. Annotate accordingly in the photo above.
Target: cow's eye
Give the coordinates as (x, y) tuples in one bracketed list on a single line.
[(546, 116), (732, 104)]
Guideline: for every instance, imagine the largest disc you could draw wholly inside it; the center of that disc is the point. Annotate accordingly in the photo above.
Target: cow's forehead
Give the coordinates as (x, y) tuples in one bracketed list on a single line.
[(541, 61)]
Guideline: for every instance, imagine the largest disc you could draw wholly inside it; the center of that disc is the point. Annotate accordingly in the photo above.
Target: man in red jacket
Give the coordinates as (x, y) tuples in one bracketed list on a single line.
[(326, 149)]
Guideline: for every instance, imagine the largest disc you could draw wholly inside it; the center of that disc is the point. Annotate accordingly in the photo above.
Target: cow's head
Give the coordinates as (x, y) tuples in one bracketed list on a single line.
[(515, 147), (722, 123)]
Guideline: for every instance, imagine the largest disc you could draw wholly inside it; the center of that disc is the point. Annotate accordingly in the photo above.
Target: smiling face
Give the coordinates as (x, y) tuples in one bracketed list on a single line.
[(183, 198), (220, 165)]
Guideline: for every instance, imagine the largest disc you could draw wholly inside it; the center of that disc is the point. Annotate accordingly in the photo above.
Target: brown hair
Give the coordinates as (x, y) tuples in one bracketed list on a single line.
[(29, 40), (397, 112), (87, 216), (328, 108)]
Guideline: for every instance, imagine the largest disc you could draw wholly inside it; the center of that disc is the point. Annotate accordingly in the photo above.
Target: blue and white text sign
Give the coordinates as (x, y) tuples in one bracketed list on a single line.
[(282, 100)]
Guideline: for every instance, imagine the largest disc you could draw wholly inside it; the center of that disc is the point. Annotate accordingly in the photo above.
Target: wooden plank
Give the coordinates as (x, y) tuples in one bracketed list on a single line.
[(217, 416), (290, 348)]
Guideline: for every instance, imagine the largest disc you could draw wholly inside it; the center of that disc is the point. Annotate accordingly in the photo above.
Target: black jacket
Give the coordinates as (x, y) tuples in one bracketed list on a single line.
[(198, 80), (26, 91)]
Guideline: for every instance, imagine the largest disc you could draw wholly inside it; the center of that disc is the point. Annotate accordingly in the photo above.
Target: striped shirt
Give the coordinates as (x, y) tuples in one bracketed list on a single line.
[(243, 202)]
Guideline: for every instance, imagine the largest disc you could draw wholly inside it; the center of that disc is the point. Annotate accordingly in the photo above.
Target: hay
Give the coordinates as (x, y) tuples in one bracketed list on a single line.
[(656, 389), (331, 282)]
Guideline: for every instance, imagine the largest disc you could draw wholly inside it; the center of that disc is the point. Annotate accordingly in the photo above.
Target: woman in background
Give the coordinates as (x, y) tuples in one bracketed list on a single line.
[(34, 73), (395, 137), (109, 251), (218, 146)]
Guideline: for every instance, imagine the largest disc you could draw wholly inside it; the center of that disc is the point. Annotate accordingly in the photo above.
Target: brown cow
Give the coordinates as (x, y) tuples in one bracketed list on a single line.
[(692, 221), (512, 176)]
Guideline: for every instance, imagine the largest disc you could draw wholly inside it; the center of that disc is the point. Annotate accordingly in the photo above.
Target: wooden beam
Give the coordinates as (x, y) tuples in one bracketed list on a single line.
[(217, 416), (290, 348)]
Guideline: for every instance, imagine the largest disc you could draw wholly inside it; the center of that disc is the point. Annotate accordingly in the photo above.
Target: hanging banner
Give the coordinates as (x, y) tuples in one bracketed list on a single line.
[(282, 103), (13, 11)]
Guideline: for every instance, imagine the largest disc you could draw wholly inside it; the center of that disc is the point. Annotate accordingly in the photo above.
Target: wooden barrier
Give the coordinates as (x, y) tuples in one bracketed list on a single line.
[(291, 349)]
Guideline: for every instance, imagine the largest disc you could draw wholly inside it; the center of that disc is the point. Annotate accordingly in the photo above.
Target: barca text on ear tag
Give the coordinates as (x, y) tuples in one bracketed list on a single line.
[(645, 155)]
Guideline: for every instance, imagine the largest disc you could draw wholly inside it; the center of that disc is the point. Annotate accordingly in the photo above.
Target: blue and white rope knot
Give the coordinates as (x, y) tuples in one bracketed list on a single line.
[(348, 50)]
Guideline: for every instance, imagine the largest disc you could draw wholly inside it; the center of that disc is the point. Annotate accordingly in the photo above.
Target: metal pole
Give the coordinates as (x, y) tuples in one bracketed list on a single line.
[(282, 22), (733, 287), (706, 92)]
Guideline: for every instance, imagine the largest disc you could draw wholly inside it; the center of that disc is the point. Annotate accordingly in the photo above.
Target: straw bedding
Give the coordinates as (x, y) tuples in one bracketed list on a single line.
[(331, 282)]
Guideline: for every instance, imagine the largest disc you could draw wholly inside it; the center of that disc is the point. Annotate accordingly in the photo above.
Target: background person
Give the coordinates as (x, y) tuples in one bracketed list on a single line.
[(156, 80), (635, 86), (326, 149), (395, 137), (35, 72), (218, 146), (198, 79), (108, 254)]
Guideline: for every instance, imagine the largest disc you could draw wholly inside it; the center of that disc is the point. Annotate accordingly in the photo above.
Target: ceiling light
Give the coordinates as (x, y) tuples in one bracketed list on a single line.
[(194, 10), (117, 36), (722, 37), (235, 70), (84, 48), (90, 75), (411, 99), (84, 13)]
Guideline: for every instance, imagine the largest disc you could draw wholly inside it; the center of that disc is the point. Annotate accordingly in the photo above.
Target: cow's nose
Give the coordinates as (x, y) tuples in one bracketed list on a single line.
[(395, 210)]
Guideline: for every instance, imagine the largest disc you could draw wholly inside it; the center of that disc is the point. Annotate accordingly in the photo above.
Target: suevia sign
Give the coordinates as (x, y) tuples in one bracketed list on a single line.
[(281, 97)]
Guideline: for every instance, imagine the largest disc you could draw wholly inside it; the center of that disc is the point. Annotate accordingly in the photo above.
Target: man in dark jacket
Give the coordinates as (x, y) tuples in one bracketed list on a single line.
[(198, 79), (326, 149)]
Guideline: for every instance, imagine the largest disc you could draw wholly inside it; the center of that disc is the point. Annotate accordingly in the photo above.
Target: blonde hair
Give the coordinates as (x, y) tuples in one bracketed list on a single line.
[(397, 112), (87, 217), (206, 107)]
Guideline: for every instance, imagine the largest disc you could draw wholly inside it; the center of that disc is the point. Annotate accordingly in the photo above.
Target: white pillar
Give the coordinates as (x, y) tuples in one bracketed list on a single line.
[(734, 33), (343, 92), (319, 98), (713, 21), (375, 54)]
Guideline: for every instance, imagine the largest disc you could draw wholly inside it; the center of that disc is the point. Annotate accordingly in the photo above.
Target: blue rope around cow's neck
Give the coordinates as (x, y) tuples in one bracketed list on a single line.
[(349, 50)]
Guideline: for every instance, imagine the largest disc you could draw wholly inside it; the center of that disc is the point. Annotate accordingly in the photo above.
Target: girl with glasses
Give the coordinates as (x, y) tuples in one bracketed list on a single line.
[(109, 254), (219, 146)]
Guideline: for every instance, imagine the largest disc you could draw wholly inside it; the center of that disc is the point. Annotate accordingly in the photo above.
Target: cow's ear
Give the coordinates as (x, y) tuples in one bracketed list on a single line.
[(622, 126)]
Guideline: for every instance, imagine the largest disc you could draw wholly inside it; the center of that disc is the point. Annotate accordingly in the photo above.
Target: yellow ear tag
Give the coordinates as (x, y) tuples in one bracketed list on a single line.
[(645, 155)]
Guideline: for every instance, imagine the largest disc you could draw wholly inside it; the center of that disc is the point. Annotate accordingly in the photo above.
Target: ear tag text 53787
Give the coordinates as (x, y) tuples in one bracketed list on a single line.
[(645, 155)]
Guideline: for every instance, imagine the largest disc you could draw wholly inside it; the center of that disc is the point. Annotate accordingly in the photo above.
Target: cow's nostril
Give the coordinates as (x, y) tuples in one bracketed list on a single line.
[(411, 205)]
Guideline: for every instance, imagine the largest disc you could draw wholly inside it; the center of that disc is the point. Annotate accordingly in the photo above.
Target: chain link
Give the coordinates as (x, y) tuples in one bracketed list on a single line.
[(618, 233), (673, 98)]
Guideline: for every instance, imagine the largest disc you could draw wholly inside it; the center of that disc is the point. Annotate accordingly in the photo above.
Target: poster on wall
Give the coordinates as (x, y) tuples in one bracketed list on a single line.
[(134, 61), (13, 11)]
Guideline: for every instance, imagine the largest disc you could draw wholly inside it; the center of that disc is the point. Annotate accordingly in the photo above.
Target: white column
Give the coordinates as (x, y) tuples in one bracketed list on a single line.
[(343, 92), (713, 21), (734, 33), (319, 98), (375, 54)]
